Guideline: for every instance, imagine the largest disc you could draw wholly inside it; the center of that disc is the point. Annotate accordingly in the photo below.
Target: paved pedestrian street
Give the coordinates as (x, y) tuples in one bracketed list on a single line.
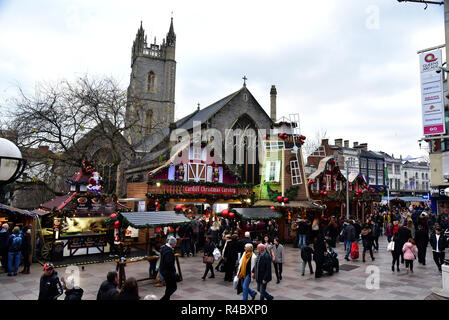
[(349, 283)]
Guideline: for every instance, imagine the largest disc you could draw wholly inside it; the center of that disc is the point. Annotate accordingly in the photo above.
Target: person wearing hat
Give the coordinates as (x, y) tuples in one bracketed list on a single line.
[(439, 244), (167, 267), (50, 287), (72, 292)]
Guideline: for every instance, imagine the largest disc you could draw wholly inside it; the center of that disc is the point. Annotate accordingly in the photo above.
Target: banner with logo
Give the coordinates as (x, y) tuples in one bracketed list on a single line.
[(432, 99)]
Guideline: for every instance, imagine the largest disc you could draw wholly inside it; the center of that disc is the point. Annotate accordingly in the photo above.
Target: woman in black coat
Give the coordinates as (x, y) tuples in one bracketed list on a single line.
[(209, 248), (397, 251), (26, 250), (367, 240), (421, 239), (319, 248), (230, 255)]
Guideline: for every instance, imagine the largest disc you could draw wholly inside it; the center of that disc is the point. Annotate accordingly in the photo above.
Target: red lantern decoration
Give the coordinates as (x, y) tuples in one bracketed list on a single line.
[(325, 193), (285, 135), (231, 215), (279, 198), (285, 199), (225, 213), (113, 216), (117, 224), (178, 208), (280, 135), (272, 208)]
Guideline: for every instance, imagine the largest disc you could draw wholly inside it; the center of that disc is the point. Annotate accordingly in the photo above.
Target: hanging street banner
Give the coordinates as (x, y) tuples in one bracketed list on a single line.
[(432, 99)]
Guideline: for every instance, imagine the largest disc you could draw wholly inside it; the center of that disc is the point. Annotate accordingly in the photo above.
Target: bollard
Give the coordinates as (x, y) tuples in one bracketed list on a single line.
[(444, 291)]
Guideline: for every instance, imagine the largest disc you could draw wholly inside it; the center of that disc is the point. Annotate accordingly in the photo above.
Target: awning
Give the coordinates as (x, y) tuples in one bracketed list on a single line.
[(13, 210), (58, 203), (406, 199), (40, 212), (290, 204), (257, 213), (141, 220)]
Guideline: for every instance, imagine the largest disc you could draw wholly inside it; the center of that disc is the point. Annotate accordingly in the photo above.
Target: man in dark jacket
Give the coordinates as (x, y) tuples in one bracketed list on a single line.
[(439, 244), (262, 272), (319, 248), (421, 239), (349, 235), (404, 234), (108, 289), (303, 231), (50, 287), (230, 255), (244, 241), (167, 267), (306, 256)]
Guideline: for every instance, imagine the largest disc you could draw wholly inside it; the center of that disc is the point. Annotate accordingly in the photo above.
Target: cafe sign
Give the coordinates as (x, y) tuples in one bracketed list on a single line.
[(209, 190)]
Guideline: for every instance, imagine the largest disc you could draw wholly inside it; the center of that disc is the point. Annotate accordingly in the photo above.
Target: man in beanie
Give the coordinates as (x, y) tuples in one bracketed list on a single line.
[(50, 287), (167, 267)]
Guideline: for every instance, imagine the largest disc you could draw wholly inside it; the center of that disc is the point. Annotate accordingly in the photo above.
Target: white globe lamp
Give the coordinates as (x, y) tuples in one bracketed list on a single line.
[(11, 162)]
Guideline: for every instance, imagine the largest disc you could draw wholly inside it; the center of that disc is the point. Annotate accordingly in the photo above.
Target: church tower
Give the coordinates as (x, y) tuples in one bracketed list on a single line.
[(151, 91)]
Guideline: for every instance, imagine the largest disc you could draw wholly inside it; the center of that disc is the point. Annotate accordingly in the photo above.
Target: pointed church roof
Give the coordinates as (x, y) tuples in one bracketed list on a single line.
[(206, 113)]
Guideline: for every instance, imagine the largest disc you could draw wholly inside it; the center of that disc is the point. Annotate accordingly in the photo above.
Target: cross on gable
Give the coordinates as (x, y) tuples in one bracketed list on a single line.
[(244, 80)]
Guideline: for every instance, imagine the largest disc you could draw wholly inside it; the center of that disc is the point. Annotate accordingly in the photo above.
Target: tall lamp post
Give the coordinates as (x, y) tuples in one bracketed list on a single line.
[(348, 163), (11, 162)]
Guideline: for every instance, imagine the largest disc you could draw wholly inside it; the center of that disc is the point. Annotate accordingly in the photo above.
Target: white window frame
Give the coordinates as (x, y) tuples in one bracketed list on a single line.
[(295, 172), (328, 182), (195, 153), (199, 167)]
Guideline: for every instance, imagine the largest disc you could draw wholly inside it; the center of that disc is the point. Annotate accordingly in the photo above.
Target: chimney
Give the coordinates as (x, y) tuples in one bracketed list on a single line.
[(273, 94), (364, 146), (339, 142), (355, 144), (346, 143), (324, 142)]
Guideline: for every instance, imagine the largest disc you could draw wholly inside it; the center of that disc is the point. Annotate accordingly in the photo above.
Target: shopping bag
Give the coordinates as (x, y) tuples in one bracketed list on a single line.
[(354, 250), (217, 254), (236, 282), (390, 246)]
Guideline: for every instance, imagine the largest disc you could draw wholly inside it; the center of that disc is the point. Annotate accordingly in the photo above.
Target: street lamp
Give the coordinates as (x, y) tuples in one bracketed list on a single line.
[(11, 162), (348, 163)]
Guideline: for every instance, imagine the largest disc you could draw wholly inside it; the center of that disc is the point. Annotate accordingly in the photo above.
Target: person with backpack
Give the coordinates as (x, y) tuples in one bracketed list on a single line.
[(14, 251)]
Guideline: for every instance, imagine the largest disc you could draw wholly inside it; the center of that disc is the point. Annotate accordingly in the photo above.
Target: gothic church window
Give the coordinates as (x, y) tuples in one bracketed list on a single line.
[(148, 121), (151, 84)]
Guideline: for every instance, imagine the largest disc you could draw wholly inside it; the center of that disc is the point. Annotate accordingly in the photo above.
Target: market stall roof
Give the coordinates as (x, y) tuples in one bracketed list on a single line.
[(321, 168), (40, 212), (154, 219), (257, 213), (406, 199), (290, 204), (9, 209), (58, 202)]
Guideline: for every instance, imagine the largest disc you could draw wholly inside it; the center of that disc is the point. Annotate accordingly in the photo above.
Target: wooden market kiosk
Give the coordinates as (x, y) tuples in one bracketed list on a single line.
[(149, 221), (75, 224), (191, 178)]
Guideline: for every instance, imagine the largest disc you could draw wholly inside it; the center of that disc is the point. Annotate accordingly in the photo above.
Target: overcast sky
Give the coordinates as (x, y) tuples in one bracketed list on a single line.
[(348, 66)]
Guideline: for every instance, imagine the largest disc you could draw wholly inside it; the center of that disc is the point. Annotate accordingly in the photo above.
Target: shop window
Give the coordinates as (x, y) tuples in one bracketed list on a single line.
[(273, 170), (328, 182), (295, 172), (195, 153)]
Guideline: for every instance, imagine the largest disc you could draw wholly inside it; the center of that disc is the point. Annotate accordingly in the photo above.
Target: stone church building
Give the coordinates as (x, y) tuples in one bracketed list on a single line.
[(151, 104)]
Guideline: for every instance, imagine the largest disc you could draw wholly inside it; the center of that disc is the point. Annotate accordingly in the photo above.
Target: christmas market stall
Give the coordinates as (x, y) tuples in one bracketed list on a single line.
[(196, 180), (76, 224), (150, 222), (283, 187), (328, 187)]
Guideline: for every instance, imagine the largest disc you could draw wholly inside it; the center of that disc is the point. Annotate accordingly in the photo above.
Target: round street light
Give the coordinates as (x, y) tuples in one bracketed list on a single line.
[(11, 162)]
